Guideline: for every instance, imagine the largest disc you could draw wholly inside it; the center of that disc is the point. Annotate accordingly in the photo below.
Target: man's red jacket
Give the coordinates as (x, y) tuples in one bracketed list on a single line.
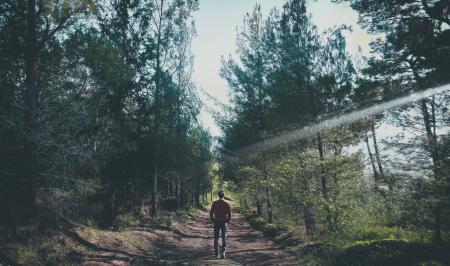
[(220, 211)]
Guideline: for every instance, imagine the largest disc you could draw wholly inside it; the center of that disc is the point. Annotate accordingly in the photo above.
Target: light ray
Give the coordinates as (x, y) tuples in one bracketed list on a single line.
[(345, 119)]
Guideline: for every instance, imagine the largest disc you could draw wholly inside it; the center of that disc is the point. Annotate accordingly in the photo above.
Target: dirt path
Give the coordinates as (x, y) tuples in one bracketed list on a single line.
[(246, 245), (188, 243)]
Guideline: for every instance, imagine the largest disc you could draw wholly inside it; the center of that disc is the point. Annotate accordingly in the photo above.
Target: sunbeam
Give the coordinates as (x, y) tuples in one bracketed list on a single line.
[(345, 119)]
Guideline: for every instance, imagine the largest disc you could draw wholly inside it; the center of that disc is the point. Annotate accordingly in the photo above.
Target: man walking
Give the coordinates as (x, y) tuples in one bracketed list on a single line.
[(220, 214)]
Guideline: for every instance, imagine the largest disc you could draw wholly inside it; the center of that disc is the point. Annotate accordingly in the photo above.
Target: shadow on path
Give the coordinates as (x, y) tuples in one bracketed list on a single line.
[(191, 243)]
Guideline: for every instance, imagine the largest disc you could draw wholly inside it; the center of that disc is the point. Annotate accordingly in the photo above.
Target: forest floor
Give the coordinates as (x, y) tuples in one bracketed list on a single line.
[(187, 241)]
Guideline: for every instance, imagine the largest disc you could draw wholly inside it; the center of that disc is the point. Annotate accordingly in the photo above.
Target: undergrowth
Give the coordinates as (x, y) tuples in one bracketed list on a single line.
[(375, 245)]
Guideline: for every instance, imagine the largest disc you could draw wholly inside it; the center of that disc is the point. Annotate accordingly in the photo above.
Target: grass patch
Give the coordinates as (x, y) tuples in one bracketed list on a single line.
[(38, 246), (379, 252), (393, 252), (125, 220), (273, 231), (375, 246), (133, 241), (377, 233)]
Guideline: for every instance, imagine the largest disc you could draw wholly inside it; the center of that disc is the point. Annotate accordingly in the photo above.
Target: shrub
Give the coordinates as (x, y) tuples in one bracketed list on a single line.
[(126, 220), (393, 252)]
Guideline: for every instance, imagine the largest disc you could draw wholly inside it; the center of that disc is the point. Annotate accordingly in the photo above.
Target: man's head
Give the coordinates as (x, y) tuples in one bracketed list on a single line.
[(221, 194)]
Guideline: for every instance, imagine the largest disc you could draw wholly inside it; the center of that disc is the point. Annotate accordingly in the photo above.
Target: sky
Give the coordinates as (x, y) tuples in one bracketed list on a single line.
[(217, 21)]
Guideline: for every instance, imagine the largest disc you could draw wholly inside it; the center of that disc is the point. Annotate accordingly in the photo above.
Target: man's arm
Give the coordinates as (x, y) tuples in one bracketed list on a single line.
[(211, 212), (228, 214)]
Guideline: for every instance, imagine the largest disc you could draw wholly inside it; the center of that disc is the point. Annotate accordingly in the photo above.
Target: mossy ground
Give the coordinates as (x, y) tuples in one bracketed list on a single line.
[(34, 245), (46, 243), (376, 246)]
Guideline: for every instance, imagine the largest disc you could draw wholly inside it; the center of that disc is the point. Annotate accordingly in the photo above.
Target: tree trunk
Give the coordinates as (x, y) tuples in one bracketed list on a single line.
[(268, 193), (377, 153), (432, 142), (31, 101), (185, 193), (155, 186), (245, 203), (258, 207), (212, 191), (182, 194), (437, 225), (269, 204), (323, 180), (197, 199), (375, 172), (433, 115), (113, 211), (157, 101), (124, 20), (307, 209), (310, 220), (177, 192), (433, 148)]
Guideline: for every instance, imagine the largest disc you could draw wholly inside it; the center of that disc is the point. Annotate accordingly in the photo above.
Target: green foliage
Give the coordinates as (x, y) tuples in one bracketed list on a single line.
[(269, 230), (134, 241), (113, 120), (26, 254), (386, 252), (40, 246), (411, 57), (287, 75), (98, 114), (392, 252), (91, 223), (125, 220), (369, 233)]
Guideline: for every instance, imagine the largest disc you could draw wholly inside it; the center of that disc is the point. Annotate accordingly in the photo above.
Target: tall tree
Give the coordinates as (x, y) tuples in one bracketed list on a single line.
[(319, 74), (287, 76), (94, 82), (161, 18), (39, 29), (414, 50), (248, 82)]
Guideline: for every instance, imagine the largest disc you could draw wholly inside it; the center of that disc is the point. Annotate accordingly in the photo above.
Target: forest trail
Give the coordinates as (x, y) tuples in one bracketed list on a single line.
[(189, 242)]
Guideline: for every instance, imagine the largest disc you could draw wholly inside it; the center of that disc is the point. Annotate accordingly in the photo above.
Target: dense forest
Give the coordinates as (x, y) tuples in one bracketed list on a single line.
[(99, 121), (288, 75), (98, 107)]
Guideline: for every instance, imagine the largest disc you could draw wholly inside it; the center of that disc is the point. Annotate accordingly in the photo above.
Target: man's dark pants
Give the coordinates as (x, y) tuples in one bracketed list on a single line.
[(220, 227)]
